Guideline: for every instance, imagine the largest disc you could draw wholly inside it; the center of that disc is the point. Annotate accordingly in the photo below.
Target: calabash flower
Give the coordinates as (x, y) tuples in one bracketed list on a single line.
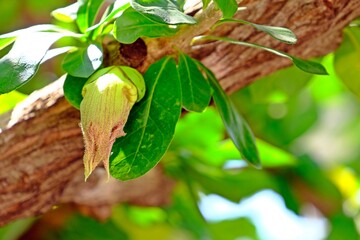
[(109, 96)]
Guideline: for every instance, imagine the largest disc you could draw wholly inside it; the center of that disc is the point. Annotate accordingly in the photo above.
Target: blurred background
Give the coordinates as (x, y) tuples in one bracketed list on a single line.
[(307, 130)]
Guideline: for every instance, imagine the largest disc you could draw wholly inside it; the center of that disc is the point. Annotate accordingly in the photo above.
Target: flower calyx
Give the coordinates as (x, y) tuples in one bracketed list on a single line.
[(109, 95)]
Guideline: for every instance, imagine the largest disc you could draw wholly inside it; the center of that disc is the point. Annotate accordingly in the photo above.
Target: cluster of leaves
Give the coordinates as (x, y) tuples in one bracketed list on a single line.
[(279, 109), (152, 122), (199, 158)]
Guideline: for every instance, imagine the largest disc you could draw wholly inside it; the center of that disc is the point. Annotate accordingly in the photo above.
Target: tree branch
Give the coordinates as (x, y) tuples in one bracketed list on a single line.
[(41, 163), (41, 148), (318, 25)]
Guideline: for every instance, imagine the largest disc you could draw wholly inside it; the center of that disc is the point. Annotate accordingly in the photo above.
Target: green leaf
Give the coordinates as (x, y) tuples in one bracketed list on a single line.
[(16, 229), (116, 10), (279, 33), (131, 25), (151, 124), (195, 88), (55, 52), (228, 8), (87, 12), (309, 66), (9, 38), (236, 126), (305, 65), (84, 61), (73, 90), (162, 11), (23, 60), (347, 60), (66, 14)]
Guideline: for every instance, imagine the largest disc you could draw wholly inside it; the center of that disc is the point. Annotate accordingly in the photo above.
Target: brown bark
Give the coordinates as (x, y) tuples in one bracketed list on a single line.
[(41, 163), (41, 149)]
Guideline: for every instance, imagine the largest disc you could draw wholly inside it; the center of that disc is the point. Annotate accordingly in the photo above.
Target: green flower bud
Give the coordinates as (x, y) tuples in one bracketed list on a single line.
[(109, 96)]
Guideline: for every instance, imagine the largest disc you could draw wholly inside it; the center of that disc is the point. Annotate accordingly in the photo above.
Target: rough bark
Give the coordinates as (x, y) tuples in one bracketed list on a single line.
[(41, 147)]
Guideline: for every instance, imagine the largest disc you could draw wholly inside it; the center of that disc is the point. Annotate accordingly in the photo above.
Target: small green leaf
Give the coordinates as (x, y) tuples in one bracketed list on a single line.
[(73, 90), (347, 60), (309, 66), (87, 12), (238, 129), (23, 60), (162, 11), (66, 14), (228, 8), (195, 88), (84, 61), (279, 33), (151, 124), (305, 65), (131, 25), (282, 34)]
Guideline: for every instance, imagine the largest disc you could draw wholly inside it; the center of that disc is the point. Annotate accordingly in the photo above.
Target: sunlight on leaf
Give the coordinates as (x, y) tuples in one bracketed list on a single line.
[(66, 14), (131, 25), (22, 62), (84, 61), (8, 38), (163, 11)]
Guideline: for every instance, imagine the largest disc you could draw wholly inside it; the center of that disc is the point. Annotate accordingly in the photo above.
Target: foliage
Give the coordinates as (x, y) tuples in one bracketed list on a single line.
[(129, 22), (282, 110)]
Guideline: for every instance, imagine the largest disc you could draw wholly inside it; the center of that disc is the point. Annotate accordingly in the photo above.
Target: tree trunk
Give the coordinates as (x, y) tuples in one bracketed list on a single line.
[(41, 146)]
